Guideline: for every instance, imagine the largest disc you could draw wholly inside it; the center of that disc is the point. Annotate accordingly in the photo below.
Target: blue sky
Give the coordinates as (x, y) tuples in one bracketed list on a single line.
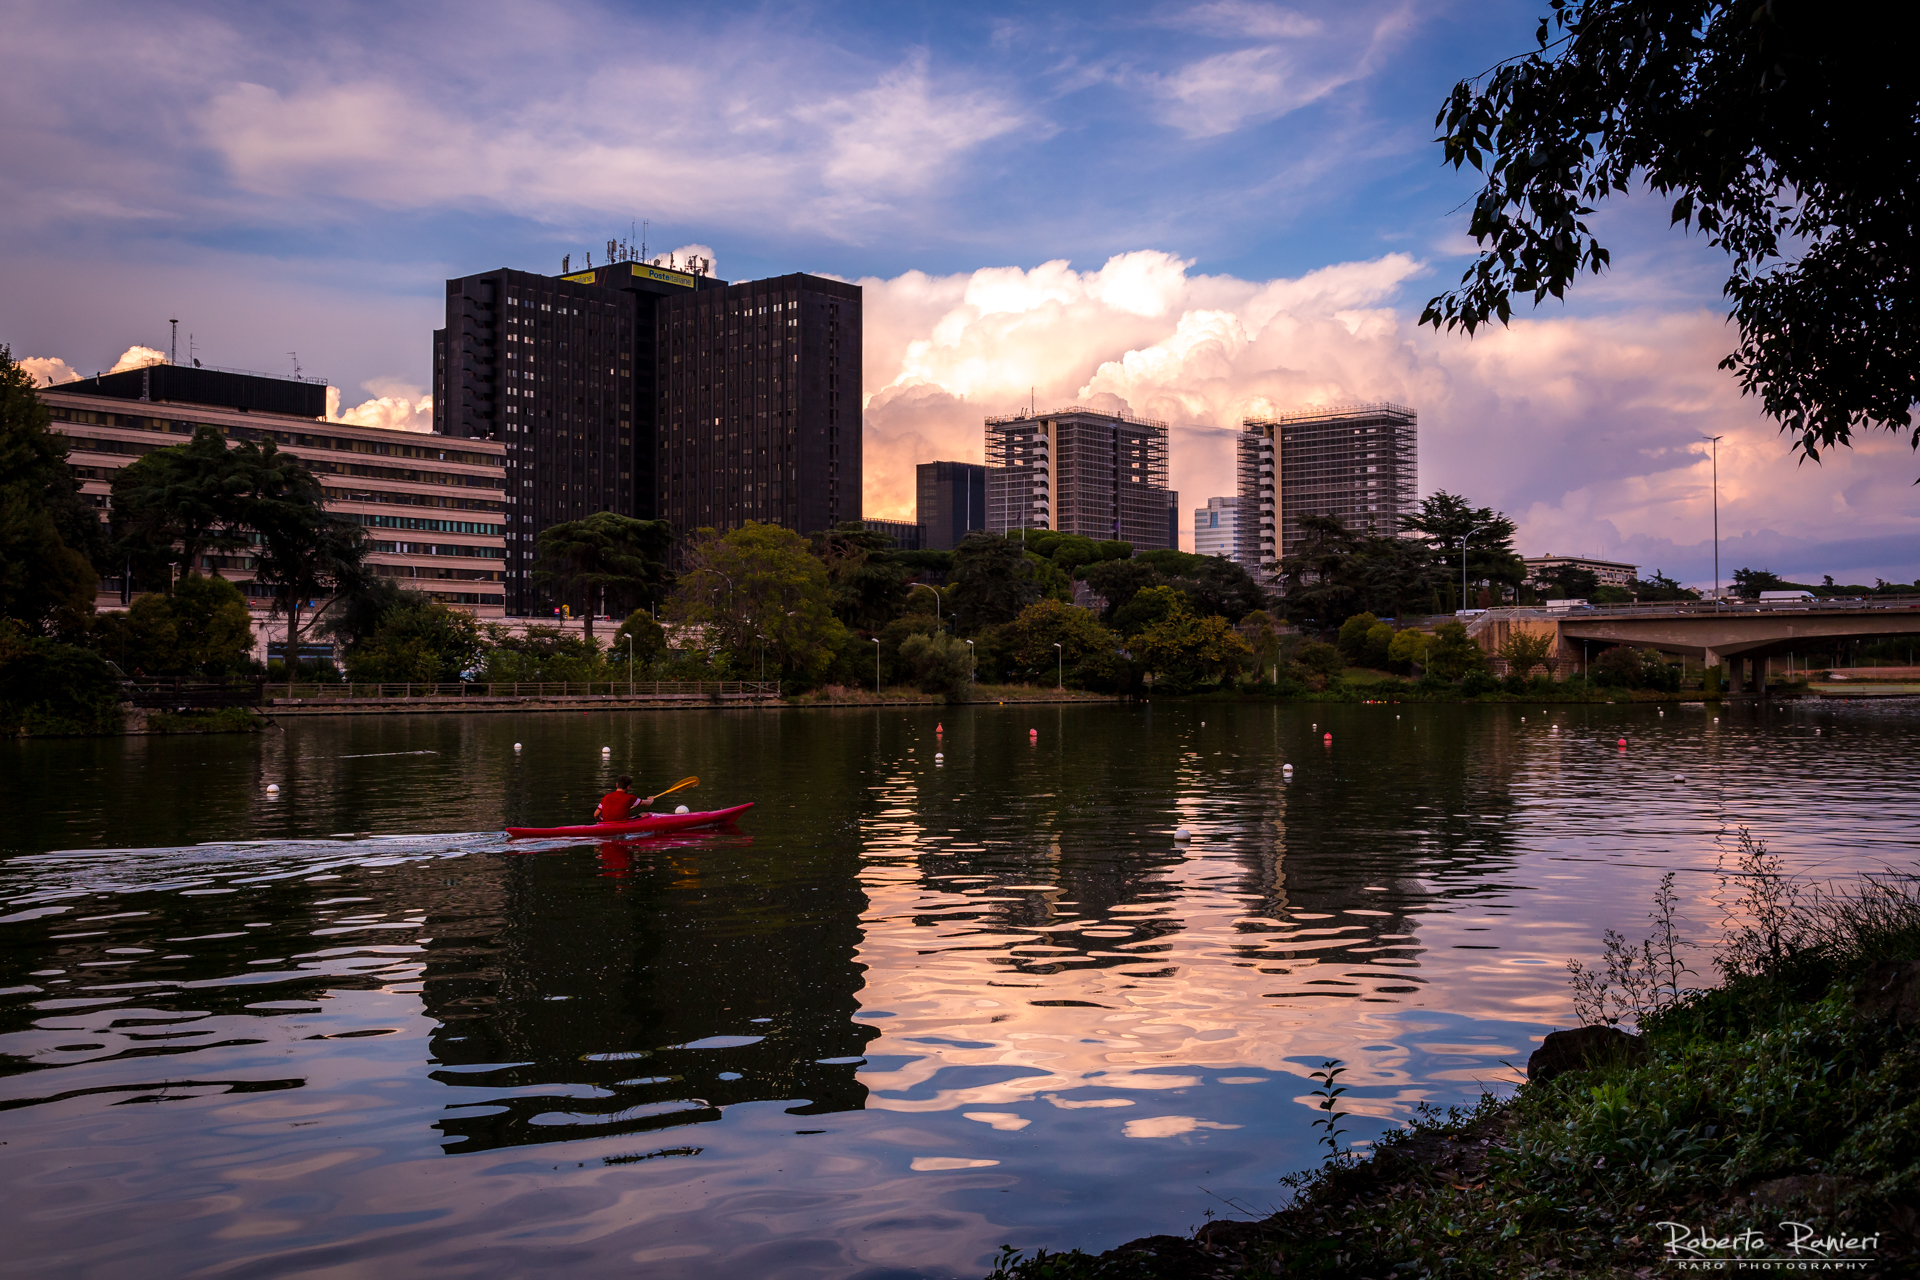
[(303, 178)]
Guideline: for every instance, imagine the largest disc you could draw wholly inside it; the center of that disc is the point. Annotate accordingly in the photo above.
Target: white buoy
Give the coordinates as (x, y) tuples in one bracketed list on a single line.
[(681, 809), (516, 746), (606, 751), (1181, 833), (1679, 777), (1553, 728), (1203, 724), (1716, 719), (938, 756), (273, 786), (1286, 768)]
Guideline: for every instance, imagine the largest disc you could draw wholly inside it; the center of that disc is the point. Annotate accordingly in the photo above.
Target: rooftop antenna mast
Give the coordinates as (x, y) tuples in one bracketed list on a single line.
[(173, 343), (644, 226), (295, 357)]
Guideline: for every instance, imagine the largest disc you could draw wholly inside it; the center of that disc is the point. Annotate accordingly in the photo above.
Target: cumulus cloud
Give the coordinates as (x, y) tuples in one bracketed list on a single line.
[(138, 357), (395, 406), (47, 370), (1585, 430)]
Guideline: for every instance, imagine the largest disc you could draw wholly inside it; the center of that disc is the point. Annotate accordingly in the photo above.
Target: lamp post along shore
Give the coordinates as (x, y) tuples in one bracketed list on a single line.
[(1715, 441)]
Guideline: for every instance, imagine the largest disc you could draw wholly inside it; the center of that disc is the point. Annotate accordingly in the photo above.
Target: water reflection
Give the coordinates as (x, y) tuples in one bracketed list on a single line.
[(943, 989)]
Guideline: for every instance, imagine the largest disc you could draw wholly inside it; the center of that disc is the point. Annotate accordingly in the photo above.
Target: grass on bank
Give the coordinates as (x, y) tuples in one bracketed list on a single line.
[(210, 720), (1784, 1093)]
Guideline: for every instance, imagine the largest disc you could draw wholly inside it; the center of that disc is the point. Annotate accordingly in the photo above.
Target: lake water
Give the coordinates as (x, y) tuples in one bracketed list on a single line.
[(912, 1008)]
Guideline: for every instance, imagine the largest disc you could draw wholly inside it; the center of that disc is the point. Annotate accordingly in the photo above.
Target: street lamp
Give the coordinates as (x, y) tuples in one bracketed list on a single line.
[(876, 666), (629, 664), (936, 601), (1715, 440), (969, 667), (1060, 668), (763, 658), (1463, 561)]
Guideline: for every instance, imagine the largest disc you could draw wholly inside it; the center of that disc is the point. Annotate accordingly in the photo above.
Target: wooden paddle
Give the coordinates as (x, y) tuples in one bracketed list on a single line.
[(684, 782)]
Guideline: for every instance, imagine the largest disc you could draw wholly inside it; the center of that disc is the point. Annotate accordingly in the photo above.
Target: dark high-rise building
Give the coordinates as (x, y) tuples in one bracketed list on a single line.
[(759, 405), (950, 502), (657, 394)]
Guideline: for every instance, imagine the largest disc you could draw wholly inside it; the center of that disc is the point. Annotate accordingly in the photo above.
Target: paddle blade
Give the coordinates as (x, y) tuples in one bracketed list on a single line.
[(692, 781)]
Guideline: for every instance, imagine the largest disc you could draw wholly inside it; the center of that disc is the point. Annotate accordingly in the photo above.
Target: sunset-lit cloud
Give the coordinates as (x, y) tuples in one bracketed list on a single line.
[(394, 406)]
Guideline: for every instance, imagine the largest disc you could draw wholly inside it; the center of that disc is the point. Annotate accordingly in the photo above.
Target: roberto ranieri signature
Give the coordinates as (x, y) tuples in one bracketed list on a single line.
[(1801, 1241)]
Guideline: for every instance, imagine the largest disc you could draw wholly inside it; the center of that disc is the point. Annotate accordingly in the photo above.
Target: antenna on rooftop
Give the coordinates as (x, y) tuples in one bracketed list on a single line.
[(295, 357), (173, 343), (645, 226)]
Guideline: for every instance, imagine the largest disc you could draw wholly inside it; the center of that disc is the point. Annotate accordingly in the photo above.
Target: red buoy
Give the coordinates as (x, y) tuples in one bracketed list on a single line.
[(1623, 742)]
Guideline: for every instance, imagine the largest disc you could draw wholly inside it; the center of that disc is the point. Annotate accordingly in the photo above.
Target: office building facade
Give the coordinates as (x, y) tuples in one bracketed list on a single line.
[(1214, 528), (950, 501), (656, 394), (904, 534), (432, 508), (1357, 463), (1608, 573), (1100, 475)]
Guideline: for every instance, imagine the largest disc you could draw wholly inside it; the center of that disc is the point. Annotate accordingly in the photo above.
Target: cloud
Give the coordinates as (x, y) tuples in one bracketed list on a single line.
[(899, 134), (1585, 429), (138, 357), (396, 406), (47, 370), (1238, 18), (762, 128), (1286, 61)]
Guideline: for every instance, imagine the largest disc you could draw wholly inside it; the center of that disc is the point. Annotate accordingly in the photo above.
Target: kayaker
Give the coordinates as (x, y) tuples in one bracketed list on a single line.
[(618, 804)]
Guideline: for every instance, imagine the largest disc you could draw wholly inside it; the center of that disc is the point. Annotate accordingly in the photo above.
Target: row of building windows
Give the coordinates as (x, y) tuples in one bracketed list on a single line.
[(300, 439), (436, 549), (387, 497), (419, 524)]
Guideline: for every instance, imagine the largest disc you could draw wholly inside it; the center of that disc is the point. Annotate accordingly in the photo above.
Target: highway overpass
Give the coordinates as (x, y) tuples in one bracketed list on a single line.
[(1741, 635)]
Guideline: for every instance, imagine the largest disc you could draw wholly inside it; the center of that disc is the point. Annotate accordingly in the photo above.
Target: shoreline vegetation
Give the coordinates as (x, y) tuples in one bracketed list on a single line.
[(107, 720), (1775, 1115)]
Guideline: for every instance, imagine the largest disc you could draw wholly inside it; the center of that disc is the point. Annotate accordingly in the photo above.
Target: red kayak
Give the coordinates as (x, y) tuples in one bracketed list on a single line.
[(651, 822)]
